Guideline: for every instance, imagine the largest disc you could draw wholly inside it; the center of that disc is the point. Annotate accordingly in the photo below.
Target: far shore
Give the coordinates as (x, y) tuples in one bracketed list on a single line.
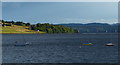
[(100, 33)]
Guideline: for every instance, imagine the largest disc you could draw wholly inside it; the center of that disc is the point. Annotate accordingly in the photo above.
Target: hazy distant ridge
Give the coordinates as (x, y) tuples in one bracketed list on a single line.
[(95, 27)]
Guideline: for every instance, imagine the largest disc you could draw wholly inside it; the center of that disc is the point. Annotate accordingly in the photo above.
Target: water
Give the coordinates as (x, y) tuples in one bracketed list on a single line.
[(60, 48)]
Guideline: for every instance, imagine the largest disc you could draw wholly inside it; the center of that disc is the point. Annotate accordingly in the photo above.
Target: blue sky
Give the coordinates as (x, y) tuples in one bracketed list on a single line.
[(61, 12), (0, 10)]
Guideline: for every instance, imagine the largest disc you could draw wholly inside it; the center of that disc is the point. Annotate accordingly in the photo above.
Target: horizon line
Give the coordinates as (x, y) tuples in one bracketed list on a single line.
[(66, 23)]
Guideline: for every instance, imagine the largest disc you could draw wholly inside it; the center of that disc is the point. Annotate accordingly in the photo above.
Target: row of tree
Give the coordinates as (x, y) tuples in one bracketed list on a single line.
[(10, 23), (49, 28)]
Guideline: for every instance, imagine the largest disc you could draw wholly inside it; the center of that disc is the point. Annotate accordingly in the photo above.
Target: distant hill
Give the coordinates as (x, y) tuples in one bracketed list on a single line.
[(95, 27)]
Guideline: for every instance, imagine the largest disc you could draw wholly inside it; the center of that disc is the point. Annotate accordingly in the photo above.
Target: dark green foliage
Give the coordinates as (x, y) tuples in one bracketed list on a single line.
[(12, 22), (49, 28), (20, 23), (27, 24)]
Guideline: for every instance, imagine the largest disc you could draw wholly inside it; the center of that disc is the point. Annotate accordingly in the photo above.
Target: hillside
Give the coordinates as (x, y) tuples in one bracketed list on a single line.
[(21, 27), (17, 29)]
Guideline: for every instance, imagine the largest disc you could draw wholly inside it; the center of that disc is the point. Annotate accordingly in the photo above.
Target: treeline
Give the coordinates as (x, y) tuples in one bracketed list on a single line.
[(10, 23), (46, 27), (50, 28)]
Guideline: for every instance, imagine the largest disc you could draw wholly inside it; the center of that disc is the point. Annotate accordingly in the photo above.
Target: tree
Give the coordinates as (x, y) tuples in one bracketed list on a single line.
[(27, 24), (12, 22), (19, 23), (3, 22), (38, 24)]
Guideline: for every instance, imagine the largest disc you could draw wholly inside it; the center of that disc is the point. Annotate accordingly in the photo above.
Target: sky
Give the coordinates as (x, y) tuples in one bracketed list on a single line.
[(60, 0), (0, 10), (61, 12)]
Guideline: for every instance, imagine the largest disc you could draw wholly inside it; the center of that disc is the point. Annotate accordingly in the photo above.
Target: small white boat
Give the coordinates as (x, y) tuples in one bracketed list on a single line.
[(27, 43), (110, 44)]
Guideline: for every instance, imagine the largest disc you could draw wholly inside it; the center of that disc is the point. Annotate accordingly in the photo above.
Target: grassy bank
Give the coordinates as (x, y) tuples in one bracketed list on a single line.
[(17, 30)]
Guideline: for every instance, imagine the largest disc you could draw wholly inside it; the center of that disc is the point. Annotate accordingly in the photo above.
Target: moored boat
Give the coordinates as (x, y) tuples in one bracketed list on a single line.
[(20, 44), (110, 44)]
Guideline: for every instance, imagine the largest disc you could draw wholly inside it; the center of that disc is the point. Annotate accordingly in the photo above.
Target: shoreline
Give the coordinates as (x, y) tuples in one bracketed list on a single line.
[(100, 33), (22, 33), (59, 33)]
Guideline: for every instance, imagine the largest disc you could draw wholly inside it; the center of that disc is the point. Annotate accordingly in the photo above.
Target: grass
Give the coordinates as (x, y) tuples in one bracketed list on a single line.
[(15, 29)]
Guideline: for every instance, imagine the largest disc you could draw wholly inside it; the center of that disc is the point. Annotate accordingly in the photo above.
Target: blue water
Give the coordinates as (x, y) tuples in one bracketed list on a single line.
[(59, 48)]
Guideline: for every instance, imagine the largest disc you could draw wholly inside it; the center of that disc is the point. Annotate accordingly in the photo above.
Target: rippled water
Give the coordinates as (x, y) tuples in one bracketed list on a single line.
[(59, 48)]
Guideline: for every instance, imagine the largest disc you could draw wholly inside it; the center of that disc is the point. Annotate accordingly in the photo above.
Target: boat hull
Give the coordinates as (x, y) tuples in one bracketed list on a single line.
[(109, 45)]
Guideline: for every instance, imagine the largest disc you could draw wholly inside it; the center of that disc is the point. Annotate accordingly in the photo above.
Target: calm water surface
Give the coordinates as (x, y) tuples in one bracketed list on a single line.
[(59, 48)]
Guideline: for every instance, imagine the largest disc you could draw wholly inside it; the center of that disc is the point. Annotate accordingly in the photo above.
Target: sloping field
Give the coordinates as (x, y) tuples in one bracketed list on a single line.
[(17, 29)]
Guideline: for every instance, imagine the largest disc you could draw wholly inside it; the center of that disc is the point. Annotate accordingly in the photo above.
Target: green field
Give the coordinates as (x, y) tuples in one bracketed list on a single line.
[(17, 30)]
